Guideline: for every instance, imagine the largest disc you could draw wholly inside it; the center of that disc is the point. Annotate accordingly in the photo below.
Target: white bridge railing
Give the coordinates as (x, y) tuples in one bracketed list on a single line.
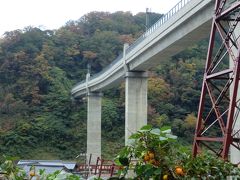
[(153, 28)]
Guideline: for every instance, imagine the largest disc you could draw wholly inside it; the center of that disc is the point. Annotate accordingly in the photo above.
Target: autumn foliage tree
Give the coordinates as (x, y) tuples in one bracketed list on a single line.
[(38, 68)]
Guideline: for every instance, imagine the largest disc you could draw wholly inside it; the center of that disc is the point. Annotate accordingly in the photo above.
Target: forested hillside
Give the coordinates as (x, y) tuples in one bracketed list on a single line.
[(38, 68)]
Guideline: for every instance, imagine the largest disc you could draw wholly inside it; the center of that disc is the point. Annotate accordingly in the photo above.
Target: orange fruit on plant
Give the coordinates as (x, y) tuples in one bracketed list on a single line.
[(151, 155), (146, 157), (179, 171), (32, 173), (165, 177)]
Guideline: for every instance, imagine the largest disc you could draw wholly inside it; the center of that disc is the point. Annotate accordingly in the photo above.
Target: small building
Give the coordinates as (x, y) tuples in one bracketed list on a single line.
[(49, 166)]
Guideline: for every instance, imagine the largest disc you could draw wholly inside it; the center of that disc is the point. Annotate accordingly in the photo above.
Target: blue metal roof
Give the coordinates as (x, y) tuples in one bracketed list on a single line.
[(67, 164)]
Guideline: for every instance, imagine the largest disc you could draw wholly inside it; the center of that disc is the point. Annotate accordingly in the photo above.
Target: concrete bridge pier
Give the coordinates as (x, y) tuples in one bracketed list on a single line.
[(135, 102), (94, 125)]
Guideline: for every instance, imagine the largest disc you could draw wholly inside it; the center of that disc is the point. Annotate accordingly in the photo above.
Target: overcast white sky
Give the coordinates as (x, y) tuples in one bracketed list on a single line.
[(52, 14)]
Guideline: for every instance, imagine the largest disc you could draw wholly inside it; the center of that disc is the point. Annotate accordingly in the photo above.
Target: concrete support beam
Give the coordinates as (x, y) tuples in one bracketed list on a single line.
[(94, 125), (135, 102)]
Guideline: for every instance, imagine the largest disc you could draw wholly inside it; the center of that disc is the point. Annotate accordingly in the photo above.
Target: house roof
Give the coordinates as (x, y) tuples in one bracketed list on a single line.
[(53, 163)]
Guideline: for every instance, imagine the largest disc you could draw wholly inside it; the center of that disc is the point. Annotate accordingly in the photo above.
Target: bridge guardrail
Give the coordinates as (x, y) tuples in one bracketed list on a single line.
[(120, 56), (159, 23), (155, 26)]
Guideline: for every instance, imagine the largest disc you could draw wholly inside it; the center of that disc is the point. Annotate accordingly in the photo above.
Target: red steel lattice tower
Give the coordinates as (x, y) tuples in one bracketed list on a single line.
[(217, 126)]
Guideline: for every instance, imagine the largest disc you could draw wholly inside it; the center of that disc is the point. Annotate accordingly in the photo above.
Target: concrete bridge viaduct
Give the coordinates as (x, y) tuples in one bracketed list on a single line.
[(185, 24)]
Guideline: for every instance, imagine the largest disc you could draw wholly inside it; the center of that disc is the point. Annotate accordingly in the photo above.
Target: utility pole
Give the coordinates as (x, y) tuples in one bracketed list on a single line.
[(148, 11)]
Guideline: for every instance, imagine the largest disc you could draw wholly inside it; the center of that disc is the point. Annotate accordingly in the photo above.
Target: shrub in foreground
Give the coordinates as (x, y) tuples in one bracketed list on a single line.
[(154, 153)]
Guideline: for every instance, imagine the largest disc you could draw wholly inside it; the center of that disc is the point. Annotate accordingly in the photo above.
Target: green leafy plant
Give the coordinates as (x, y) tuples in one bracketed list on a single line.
[(8, 170), (154, 153), (207, 166), (147, 153), (57, 175)]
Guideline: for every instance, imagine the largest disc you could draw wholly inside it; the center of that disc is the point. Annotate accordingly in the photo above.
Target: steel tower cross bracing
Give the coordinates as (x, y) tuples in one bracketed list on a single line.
[(219, 106)]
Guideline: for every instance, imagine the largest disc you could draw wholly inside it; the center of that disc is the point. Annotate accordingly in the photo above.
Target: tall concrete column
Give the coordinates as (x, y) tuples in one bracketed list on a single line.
[(135, 102), (94, 125), (235, 153)]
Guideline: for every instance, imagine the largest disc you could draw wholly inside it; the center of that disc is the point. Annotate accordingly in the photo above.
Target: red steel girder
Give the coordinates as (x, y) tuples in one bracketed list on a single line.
[(215, 128)]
